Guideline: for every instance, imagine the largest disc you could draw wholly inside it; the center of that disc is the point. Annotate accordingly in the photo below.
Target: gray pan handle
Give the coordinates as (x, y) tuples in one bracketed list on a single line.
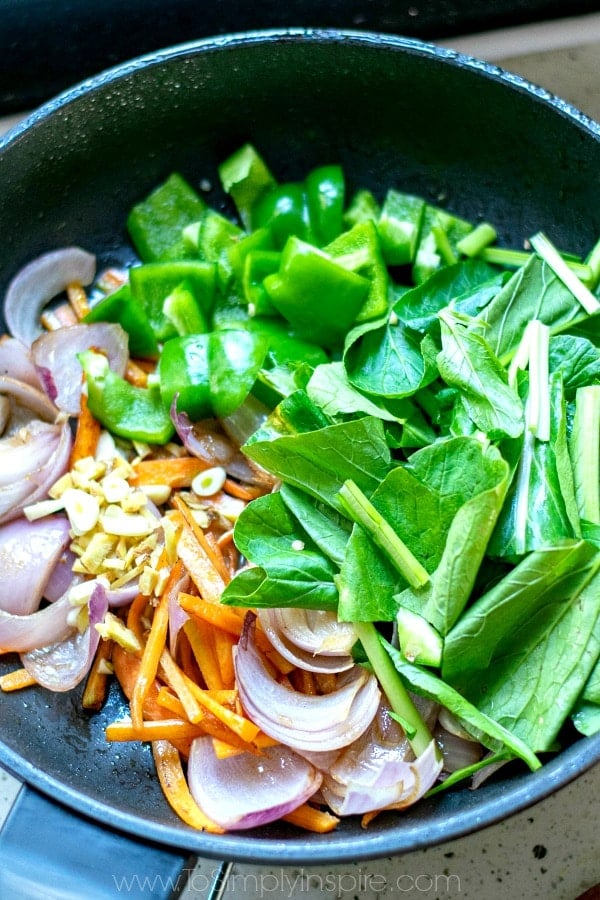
[(49, 851)]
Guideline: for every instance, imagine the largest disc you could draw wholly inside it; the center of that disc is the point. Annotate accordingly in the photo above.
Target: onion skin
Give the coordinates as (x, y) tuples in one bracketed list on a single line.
[(249, 790), (39, 282), (301, 721), (289, 642)]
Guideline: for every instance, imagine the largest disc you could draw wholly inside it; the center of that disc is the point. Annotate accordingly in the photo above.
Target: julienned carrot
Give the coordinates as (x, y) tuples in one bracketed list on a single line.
[(154, 647), (78, 299), (87, 433), (134, 617), (176, 472), (209, 725), (16, 680), (240, 725), (153, 730), (312, 819), (135, 375), (94, 693), (176, 790), (199, 634), (223, 617), (243, 491), (224, 644), (176, 680), (207, 551)]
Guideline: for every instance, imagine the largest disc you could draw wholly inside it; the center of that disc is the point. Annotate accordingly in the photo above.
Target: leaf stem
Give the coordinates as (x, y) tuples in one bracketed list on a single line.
[(362, 511), (585, 452), (548, 252), (393, 687)]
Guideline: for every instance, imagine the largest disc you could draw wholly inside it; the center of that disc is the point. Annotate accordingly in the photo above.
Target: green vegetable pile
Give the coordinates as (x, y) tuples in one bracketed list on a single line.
[(432, 411)]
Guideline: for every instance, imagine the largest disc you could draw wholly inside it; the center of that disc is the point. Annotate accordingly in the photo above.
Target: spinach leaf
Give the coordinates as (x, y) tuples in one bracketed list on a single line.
[(586, 715), (329, 530), (330, 389), (533, 292), (389, 359), (320, 461), (295, 571), (537, 639), (467, 362), (479, 724), (540, 508), (578, 361)]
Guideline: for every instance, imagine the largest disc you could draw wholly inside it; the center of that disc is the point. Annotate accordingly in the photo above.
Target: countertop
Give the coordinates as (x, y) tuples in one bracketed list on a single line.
[(552, 849)]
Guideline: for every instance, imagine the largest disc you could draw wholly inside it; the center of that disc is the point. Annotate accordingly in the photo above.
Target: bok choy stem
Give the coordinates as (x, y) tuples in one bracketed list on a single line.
[(571, 280), (358, 508), (585, 451), (417, 732)]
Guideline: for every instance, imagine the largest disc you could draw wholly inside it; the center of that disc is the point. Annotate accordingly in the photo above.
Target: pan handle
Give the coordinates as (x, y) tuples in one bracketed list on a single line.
[(50, 851)]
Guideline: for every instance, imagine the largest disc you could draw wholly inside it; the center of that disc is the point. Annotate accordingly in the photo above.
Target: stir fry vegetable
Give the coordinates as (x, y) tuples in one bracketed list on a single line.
[(330, 511)]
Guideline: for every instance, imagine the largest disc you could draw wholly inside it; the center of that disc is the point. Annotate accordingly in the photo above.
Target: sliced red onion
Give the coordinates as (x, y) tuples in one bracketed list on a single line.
[(55, 358), (62, 578), (29, 551), (124, 595), (248, 790), (206, 441), (39, 282), (16, 361), (299, 645), (31, 461), (62, 665), (39, 629), (486, 772), (245, 420), (380, 778), (302, 721), (456, 751), (31, 397)]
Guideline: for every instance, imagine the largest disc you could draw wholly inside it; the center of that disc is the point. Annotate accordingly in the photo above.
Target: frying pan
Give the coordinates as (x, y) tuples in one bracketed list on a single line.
[(393, 112)]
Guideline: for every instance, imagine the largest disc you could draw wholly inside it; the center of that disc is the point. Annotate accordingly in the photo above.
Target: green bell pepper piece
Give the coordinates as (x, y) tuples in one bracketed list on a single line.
[(284, 347), (183, 370), (362, 208), (359, 250), (320, 298), (261, 239), (210, 373), (152, 283), (182, 309), (156, 223), (284, 210), (216, 236), (122, 307), (257, 265), (125, 410), (245, 177), (325, 196), (399, 227)]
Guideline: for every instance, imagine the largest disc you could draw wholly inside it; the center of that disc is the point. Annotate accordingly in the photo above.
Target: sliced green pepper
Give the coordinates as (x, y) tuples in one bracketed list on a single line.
[(284, 211), (152, 283), (362, 208), (121, 307), (325, 196), (183, 310), (261, 239), (320, 298), (399, 227), (156, 223), (359, 250), (128, 411), (216, 236), (245, 176), (258, 264), (210, 373)]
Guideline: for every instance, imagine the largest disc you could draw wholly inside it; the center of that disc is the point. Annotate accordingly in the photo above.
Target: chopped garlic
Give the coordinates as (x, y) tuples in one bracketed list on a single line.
[(115, 521), (115, 488), (157, 493), (42, 508), (112, 628), (82, 510)]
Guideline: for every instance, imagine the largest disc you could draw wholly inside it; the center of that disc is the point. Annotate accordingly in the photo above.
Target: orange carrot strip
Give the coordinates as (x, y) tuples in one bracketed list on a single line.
[(15, 681), (135, 374), (176, 790), (199, 634), (240, 725), (154, 730), (94, 693), (171, 702), (224, 617), (154, 647), (134, 617), (210, 552), (77, 297), (224, 644), (312, 819), (86, 435), (177, 681), (243, 491), (177, 472)]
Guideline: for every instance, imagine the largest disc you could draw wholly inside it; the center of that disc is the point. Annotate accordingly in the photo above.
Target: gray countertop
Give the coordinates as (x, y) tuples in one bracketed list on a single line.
[(552, 849)]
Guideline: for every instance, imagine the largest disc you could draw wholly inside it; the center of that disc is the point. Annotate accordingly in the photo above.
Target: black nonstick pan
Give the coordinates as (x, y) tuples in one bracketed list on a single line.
[(393, 112)]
